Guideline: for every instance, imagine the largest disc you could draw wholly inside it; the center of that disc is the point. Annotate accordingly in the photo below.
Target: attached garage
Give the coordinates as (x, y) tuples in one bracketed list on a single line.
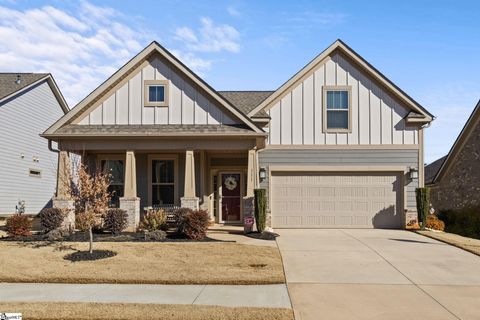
[(336, 200)]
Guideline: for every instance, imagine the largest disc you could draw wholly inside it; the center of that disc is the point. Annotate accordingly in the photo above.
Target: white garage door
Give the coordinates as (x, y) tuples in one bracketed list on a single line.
[(335, 200)]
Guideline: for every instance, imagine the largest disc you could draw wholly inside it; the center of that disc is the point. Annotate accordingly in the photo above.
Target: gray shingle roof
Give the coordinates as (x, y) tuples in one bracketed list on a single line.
[(432, 169), (246, 101), (9, 86), (152, 130)]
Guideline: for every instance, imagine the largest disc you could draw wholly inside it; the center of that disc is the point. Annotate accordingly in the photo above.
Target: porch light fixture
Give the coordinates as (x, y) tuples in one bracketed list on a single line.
[(413, 172), (263, 173)]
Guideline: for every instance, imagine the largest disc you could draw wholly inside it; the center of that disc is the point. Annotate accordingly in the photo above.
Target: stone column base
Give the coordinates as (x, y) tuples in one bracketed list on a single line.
[(190, 203), (132, 206), (68, 206)]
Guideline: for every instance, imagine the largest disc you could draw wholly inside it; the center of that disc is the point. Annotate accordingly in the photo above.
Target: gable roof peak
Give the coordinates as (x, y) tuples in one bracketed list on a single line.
[(361, 63), (143, 55)]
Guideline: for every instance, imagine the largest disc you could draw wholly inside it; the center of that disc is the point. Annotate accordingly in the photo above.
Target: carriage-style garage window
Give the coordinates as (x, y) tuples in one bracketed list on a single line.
[(156, 93), (336, 109)]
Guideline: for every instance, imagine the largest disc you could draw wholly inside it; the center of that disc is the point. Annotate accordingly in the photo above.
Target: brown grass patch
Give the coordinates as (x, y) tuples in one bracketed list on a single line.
[(124, 311), (468, 244), (139, 262)]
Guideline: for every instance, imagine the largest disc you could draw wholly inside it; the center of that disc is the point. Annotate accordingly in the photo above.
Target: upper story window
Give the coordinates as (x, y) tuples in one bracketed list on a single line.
[(156, 93), (337, 109)]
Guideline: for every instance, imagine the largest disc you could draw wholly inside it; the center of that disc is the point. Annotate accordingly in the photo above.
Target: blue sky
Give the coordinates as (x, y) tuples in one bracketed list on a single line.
[(430, 49)]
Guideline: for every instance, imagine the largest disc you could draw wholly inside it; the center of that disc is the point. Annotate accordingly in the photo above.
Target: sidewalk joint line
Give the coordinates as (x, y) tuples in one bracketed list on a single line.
[(198, 295)]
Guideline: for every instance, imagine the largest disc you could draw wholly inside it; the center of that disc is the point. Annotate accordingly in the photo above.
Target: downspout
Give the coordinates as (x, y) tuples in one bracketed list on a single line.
[(50, 147)]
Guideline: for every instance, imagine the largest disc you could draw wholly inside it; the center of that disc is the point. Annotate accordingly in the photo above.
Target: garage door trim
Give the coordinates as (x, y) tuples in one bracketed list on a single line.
[(399, 170)]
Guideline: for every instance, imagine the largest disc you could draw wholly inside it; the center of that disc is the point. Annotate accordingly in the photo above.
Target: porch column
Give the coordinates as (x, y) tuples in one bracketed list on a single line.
[(252, 184), (130, 202), (63, 199), (189, 199)]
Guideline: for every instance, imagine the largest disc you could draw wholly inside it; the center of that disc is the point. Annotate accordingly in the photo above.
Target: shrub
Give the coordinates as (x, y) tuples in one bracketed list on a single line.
[(51, 218), (260, 209), (180, 220), (434, 223), (193, 224), (115, 220), (154, 220), (155, 235), (18, 225), (465, 222), (423, 204)]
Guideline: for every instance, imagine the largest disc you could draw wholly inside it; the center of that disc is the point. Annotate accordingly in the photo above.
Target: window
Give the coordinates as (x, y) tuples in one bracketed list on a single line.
[(336, 109), (117, 170), (156, 93), (163, 182)]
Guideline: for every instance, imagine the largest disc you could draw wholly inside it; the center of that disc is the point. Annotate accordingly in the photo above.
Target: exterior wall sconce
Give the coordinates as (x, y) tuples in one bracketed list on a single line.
[(263, 173), (413, 172)]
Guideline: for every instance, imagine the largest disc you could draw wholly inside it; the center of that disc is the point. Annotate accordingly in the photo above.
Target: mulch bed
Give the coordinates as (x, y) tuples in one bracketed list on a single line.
[(87, 256), (78, 236)]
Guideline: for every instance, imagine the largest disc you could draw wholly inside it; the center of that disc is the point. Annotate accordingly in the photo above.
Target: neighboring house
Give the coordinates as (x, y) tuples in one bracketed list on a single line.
[(456, 179), (337, 145), (29, 104)]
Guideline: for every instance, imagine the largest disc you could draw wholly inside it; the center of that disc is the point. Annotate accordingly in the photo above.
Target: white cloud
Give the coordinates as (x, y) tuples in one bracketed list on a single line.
[(199, 65), (81, 49), (209, 37)]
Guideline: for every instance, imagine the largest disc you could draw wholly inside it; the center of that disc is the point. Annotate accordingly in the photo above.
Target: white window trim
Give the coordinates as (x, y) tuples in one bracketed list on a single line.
[(324, 107), (173, 157), (146, 96)]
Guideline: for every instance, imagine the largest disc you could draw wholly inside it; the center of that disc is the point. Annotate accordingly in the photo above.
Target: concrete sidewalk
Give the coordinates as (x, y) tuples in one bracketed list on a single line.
[(266, 296)]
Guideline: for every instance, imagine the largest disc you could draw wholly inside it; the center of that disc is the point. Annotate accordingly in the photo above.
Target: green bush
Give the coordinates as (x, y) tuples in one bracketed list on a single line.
[(260, 209), (465, 222), (193, 224), (18, 225), (51, 218), (423, 204), (115, 220), (154, 219)]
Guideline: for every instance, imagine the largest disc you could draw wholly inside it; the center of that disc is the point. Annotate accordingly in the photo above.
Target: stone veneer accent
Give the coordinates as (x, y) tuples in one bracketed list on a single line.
[(132, 206), (69, 207), (190, 203), (460, 185)]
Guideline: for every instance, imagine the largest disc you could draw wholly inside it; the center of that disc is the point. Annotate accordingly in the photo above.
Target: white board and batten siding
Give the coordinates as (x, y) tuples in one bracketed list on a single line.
[(186, 104), (377, 118), (22, 119)]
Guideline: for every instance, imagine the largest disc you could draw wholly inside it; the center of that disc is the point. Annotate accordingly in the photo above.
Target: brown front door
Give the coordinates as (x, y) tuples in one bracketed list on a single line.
[(230, 196)]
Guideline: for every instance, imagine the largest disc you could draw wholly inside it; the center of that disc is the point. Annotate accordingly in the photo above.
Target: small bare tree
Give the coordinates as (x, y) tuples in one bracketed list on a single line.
[(92, 199)]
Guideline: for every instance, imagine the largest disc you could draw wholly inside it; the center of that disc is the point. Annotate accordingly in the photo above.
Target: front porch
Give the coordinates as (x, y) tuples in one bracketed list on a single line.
[(218, 181)]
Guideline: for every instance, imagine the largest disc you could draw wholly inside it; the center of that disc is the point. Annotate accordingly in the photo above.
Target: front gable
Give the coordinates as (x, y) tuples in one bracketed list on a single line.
[(120, 100), (186, 103), (379, 112)]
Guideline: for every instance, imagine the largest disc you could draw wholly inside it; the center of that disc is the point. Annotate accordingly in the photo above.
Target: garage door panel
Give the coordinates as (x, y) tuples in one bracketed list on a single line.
[(323, 200)]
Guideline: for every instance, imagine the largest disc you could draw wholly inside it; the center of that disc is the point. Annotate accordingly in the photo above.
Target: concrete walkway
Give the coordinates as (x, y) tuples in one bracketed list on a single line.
[(267, 296), (378, 274)]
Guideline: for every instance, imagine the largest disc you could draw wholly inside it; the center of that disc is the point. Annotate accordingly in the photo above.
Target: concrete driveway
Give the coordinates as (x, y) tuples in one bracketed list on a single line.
[(378, 274)]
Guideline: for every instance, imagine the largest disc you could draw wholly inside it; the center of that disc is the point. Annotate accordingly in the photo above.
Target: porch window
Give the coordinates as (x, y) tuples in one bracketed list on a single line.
[(163, 182), (116, 168)]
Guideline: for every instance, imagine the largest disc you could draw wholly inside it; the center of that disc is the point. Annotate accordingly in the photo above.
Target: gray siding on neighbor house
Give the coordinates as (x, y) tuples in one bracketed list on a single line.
[(337, 157), (22, 119)]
